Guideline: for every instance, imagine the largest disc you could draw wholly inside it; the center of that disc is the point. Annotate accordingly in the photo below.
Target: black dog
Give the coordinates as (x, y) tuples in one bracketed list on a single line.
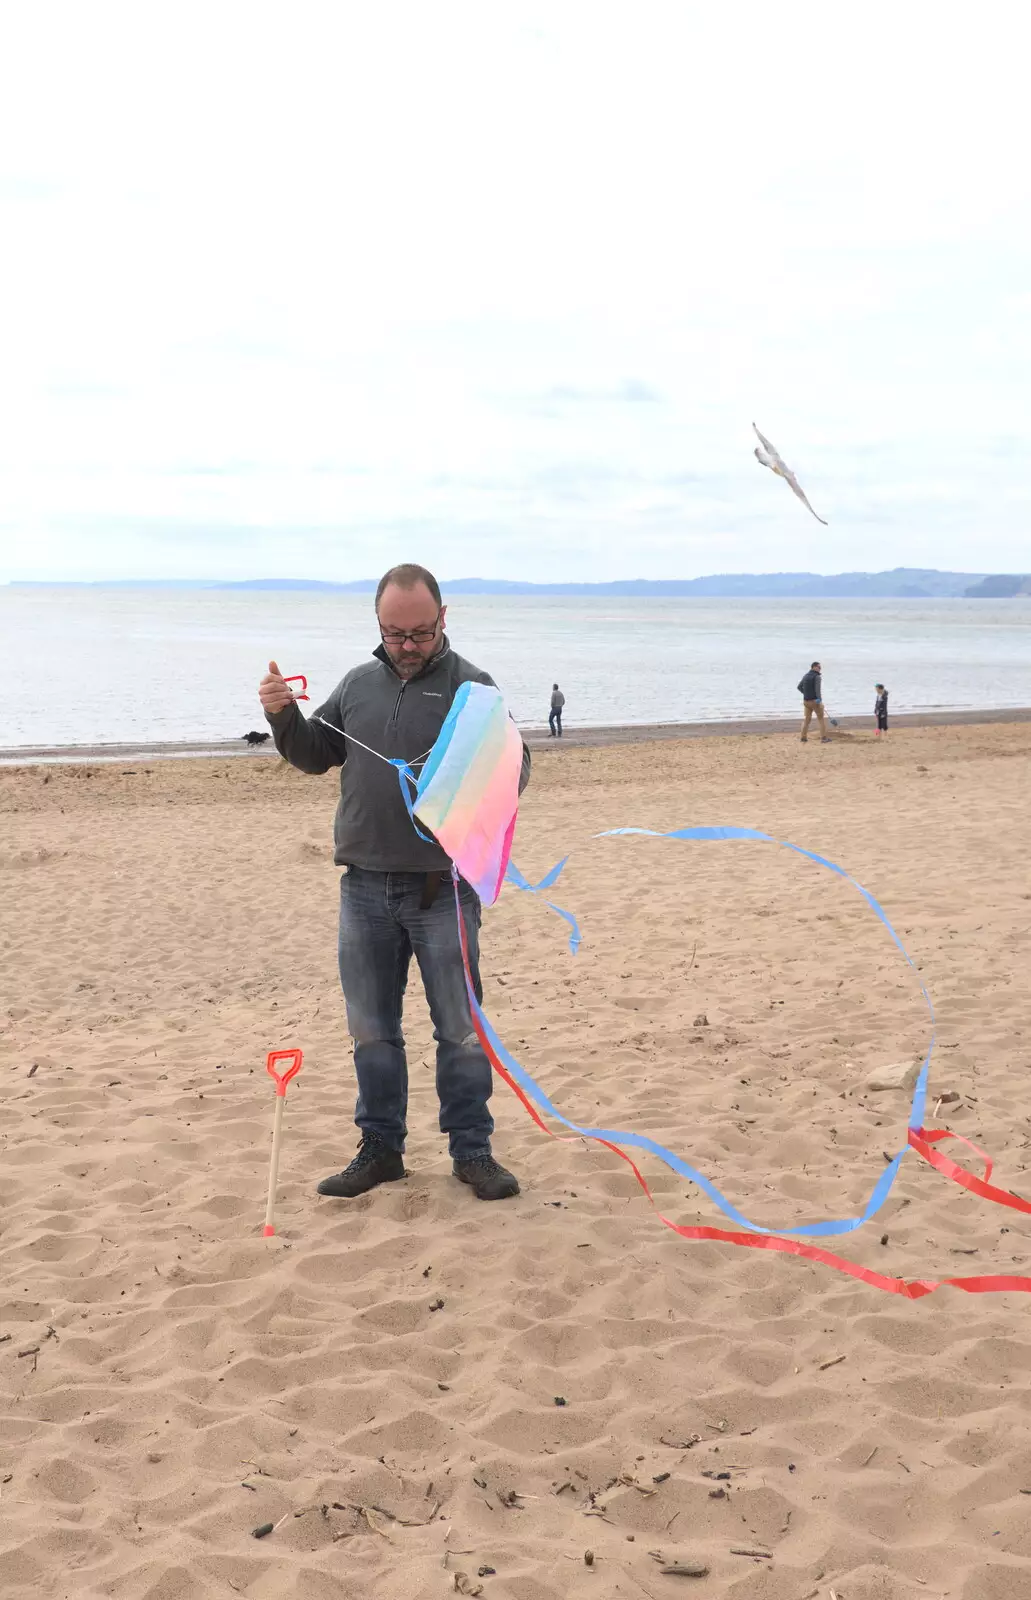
[(256, 738)]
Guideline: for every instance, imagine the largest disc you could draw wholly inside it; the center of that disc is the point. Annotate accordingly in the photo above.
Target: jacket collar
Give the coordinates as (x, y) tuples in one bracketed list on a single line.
[(380, 653)]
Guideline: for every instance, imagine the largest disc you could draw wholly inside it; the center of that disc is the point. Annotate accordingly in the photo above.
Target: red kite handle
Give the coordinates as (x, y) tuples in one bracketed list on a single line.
[(302, 680), (295, 1057)]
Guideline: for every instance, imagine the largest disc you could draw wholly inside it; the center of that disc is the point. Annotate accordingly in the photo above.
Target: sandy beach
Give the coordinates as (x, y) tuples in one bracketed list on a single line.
[(427, 1395)]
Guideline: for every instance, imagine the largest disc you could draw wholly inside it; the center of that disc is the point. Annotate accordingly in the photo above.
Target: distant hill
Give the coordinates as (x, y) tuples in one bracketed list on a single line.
[(1000, 586), (903, 583)]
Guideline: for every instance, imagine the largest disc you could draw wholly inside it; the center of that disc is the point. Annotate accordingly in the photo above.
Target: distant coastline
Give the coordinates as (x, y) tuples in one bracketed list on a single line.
[(901, 583)]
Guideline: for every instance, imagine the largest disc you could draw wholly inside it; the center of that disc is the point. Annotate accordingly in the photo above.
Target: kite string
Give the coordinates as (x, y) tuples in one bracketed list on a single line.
[(416, 761), (405, 775), (367, 747)]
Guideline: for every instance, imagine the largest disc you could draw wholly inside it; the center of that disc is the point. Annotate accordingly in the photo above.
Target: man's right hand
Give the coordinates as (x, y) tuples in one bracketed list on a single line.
[(274, 692)]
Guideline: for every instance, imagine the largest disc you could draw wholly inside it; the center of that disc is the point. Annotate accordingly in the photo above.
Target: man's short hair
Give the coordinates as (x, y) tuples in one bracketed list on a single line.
[(815, 667), (408, 576)]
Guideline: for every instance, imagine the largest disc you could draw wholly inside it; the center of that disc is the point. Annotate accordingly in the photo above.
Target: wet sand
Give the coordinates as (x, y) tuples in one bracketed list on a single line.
[(614, 734)]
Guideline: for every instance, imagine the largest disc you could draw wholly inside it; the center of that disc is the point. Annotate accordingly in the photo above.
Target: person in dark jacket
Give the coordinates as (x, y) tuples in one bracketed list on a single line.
[(811, 689), (558, 700), (880, 710), (391, 904)]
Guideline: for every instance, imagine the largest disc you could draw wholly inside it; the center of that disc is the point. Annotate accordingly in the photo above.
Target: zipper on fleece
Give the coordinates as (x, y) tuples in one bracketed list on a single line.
[(397, 702)]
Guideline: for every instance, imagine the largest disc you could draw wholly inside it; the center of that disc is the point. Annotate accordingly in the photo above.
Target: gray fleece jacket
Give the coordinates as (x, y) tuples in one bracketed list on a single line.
[(397, 718)]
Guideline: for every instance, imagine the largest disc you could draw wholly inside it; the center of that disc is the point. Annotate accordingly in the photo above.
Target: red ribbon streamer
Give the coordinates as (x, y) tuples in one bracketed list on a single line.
[(921, 1141)]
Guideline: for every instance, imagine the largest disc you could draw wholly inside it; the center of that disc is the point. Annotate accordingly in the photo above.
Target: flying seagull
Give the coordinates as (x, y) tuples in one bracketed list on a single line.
[(767, 456)]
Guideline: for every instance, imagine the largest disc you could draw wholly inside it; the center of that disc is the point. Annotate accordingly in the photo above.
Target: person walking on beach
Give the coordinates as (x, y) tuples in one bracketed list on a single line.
[(811, 689), (558, 700), (880, 711), (390, 904)]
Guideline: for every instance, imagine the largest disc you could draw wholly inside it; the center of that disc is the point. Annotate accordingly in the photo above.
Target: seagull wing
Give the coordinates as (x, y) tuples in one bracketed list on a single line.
[(766, 444), (797, 489)]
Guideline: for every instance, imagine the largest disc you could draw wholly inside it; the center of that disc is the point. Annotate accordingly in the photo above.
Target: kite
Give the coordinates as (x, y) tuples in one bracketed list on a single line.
[(768, 456), (468, 794), (468, 791)]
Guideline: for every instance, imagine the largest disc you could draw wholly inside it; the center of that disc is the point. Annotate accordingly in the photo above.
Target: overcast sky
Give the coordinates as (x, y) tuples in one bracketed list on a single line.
[(302, 290)]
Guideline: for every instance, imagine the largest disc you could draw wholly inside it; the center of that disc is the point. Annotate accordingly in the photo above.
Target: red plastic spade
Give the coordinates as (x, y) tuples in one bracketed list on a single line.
[(295, 1057)]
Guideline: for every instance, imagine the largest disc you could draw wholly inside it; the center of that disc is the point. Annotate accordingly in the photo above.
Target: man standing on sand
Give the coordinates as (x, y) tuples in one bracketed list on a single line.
[(558, 700), (391, 906), (811, 690)]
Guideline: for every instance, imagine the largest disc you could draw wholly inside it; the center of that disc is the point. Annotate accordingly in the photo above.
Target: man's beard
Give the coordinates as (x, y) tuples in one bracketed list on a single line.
[(407, 666)]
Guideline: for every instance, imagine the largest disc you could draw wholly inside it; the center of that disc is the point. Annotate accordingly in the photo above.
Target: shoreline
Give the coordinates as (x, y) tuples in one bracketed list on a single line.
[(601, 735)]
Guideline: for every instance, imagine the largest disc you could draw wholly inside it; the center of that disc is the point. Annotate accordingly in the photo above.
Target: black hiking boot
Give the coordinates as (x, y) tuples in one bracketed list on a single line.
[(375, 1163), (486, 1178)]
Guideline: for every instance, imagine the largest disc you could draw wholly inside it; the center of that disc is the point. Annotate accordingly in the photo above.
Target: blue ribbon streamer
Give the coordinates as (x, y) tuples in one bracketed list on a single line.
[(640, 1141), (406, 776), (516, 879)]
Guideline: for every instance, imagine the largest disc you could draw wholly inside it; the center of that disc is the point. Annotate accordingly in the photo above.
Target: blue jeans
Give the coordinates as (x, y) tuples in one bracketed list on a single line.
[(381, 925)]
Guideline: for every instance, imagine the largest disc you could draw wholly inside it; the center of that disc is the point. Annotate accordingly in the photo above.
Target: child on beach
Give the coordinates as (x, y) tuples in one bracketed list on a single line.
[(880, 710)]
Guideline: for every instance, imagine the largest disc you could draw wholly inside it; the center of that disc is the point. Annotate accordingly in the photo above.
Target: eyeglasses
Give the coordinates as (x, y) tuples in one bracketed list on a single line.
[(417, 635)]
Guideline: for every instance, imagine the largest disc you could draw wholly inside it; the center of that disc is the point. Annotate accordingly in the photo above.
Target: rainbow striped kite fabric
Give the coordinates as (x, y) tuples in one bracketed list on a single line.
[(468, 790)]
